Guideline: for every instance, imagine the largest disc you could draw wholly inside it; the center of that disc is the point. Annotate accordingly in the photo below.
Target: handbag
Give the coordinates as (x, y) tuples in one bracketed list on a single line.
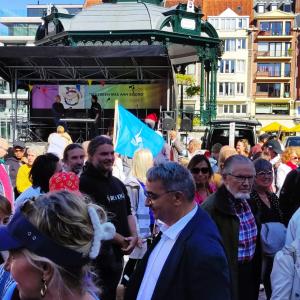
[(272, 237)]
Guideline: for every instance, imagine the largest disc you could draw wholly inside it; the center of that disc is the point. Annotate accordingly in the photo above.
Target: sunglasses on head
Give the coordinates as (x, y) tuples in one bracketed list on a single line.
[(198, 170)]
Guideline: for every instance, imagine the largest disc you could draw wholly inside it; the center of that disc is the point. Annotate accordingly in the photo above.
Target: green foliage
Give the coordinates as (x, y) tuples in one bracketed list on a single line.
[(192, 90), (185, 79)]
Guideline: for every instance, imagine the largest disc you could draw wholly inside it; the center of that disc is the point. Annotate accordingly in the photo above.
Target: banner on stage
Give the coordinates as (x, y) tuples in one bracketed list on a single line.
[(133, 134), (131, 96)]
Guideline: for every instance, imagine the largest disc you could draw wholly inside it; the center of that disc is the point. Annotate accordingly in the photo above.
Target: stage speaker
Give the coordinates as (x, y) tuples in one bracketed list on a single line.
[(168, 123), (186, 122)]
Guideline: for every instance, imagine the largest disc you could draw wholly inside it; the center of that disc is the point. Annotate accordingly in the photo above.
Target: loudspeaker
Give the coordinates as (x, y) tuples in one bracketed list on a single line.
[(186, 122), (168, 123)]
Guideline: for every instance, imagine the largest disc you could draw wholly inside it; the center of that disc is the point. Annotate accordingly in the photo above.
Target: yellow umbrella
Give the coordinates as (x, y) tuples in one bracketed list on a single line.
[(275, 126), (295, 128)]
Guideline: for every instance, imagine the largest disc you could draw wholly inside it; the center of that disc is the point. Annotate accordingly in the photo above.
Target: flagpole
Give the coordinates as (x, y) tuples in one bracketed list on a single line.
[(115, 121)]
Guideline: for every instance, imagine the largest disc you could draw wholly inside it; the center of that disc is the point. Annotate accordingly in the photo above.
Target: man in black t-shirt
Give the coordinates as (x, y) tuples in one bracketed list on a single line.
[(109, 192), (58, 110), (95, 113)]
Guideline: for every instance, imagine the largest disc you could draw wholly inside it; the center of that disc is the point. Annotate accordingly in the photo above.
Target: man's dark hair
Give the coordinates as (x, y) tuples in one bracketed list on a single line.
[(69, 148), (98, 141), (95, 97), (173, 177)]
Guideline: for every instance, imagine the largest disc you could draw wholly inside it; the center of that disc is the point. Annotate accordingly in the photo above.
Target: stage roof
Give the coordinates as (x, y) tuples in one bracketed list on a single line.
[(66, 64)]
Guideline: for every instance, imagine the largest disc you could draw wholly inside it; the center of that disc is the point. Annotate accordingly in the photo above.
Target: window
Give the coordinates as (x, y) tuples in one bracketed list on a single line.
[(287, 7), (272, 109), (191, 69), (287, 28), (261, 8), (228, 108), (244, 109), (268, 90), (287, 70), (240, 66), (242, 23), (274, 28), (4, 87), (240, 88), (227, 66), (226, 88), (230, 45), (274, 6), (263, 108), (280, 109), (241, 43), (269, 69), (286, 93), (232, 109), (23, 29)]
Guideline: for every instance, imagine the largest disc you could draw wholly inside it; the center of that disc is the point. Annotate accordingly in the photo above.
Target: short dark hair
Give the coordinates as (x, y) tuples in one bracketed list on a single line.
[(95, 97), (69, 148), (196, 159), (261, 164), (216, 148), (42, 169), (173, 177), (98, 141)]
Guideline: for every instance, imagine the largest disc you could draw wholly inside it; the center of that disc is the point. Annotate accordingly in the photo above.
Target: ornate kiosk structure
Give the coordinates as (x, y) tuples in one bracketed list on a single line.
[(117, 42)]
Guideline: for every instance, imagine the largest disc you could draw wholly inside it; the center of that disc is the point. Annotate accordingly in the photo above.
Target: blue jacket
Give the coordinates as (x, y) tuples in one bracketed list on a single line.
[(196, 267)]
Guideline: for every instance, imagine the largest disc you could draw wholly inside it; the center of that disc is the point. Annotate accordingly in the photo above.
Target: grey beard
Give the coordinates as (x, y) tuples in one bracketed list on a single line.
[(244, 196)]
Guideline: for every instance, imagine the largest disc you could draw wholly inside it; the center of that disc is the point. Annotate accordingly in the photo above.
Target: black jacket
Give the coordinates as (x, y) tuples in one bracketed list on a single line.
[(110, 193)]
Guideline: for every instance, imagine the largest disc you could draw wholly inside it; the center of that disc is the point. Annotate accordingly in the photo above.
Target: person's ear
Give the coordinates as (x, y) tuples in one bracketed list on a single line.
[(47, 271), (178, 198)]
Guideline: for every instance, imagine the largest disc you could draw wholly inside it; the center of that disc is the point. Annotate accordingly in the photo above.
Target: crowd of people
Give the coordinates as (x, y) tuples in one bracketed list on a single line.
[(214, 224)]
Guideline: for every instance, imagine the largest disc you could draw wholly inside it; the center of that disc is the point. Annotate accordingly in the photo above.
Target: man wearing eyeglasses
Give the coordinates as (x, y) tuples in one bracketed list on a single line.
[(235, 219), (186, 260)]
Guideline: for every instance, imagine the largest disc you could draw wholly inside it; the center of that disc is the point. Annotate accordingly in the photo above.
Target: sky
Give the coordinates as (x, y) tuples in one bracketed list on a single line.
[(18, 7)]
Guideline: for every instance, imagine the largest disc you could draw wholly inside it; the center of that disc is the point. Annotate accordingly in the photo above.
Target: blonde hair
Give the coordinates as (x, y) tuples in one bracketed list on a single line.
[(142, 161), (246, 145), (287, 154), (60, 129), (225, 152), (71, 228)]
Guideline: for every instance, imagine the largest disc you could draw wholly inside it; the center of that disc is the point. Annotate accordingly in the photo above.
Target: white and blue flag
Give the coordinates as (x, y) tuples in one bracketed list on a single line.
[(133, 134)]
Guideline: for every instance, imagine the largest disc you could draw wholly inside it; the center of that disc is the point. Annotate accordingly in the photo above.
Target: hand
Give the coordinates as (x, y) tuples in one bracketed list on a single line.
[(139, 242), (131, 240)]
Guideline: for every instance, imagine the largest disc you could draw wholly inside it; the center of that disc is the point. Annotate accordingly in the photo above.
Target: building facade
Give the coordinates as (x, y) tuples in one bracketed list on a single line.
[(273, 63), (233, 91)]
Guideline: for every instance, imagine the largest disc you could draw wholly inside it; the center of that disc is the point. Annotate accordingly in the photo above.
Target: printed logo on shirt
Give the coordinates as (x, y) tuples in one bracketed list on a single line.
[(117, 197)]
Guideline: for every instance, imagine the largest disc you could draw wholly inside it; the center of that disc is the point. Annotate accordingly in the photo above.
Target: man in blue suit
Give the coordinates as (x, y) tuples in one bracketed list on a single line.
[(186, 260)]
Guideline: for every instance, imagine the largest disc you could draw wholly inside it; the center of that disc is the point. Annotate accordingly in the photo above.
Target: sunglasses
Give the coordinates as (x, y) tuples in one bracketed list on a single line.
[(295, 157), (198, 170)]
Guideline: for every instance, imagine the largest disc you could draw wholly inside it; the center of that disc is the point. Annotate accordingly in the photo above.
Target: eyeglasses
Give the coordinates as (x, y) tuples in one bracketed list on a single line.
[(153, 196), (264, 173), (241, 179), (295, 157), (198, 170)]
